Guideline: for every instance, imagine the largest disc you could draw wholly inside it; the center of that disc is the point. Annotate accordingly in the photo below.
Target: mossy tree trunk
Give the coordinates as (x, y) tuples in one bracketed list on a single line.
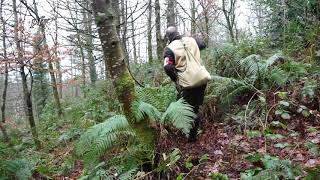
[(40, 88), (51, 70), (115, 64)]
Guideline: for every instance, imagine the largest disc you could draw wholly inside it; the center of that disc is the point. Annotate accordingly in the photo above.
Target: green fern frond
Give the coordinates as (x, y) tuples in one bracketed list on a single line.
[(227, 88), (159, 97), (110, 125), (230, 96), (180, 114), (254, 67), (101, 145), (226, 80), (169, 160), (96, 140), (142, 109), (251, 66), (271, 60), (128, 175), (278, 76), (15, 169)]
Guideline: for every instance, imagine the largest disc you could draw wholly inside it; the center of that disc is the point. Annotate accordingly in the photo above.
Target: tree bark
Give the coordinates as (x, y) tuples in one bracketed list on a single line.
[(81, 49), (206, 37), (83, 61), (89, 45), (51, 70), (6, 74), (149, 32), (116, 7), (59, 77), (55, 89), (193, 17), (158, 29), (134, 45), (77, 38), (26, 93), (171, 15), (230, 16), (40, 90), (114, 57), (124, 13)]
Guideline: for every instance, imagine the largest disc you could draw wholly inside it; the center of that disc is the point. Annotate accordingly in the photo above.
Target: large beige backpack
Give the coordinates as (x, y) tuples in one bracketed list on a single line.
[(188, 63)]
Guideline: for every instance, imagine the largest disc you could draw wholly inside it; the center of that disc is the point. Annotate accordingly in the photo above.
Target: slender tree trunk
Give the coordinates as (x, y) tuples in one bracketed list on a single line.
[(55, 89), (51, 70), (83, 63), (259, 11), (230, 18), (193, 17), (120, 76), (134, 45), (171, 15), (26, 93), (158, 29), (124, 13), (6, 74), (89, 45), (206, 18), (59, 77), (40, 90), (150, 32), (82, 57), (59, 84), (77, 38)]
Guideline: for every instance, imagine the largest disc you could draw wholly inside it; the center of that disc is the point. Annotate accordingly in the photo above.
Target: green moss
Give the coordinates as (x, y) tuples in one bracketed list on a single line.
[(145, 134), (126, 93), (124, 85), (109, 12)]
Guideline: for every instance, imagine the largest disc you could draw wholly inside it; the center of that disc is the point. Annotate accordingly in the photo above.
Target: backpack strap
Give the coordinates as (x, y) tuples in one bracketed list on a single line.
[(188, 52)]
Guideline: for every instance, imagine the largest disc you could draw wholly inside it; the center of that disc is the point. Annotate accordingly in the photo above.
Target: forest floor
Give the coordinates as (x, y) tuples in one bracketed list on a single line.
[(226, 149), (223, 147)]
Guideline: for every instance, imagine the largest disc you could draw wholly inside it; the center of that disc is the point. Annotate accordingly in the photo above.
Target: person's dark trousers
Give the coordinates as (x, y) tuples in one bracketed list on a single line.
[(195, 98)]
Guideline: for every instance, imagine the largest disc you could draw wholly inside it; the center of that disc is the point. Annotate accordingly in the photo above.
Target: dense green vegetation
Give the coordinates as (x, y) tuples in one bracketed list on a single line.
[(262, 107)]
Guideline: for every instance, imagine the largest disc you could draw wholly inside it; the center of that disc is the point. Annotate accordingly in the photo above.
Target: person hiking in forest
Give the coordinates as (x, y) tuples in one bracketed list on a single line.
[(182, 63)]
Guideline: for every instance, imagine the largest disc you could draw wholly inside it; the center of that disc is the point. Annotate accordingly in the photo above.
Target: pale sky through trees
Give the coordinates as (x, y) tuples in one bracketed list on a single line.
[(140, 16)]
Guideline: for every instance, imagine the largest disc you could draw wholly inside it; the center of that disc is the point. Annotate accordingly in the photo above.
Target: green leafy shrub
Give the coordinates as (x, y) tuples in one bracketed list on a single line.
[(101, 137), (15, 169), (274, 168), (159, 97), (116, 132)]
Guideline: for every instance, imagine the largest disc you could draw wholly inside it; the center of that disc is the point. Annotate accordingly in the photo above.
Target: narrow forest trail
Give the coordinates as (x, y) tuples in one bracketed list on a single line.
[(226, 149)]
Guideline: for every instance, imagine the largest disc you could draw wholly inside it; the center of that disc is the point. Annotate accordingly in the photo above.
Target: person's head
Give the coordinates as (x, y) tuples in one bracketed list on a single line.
[(172, 33)]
